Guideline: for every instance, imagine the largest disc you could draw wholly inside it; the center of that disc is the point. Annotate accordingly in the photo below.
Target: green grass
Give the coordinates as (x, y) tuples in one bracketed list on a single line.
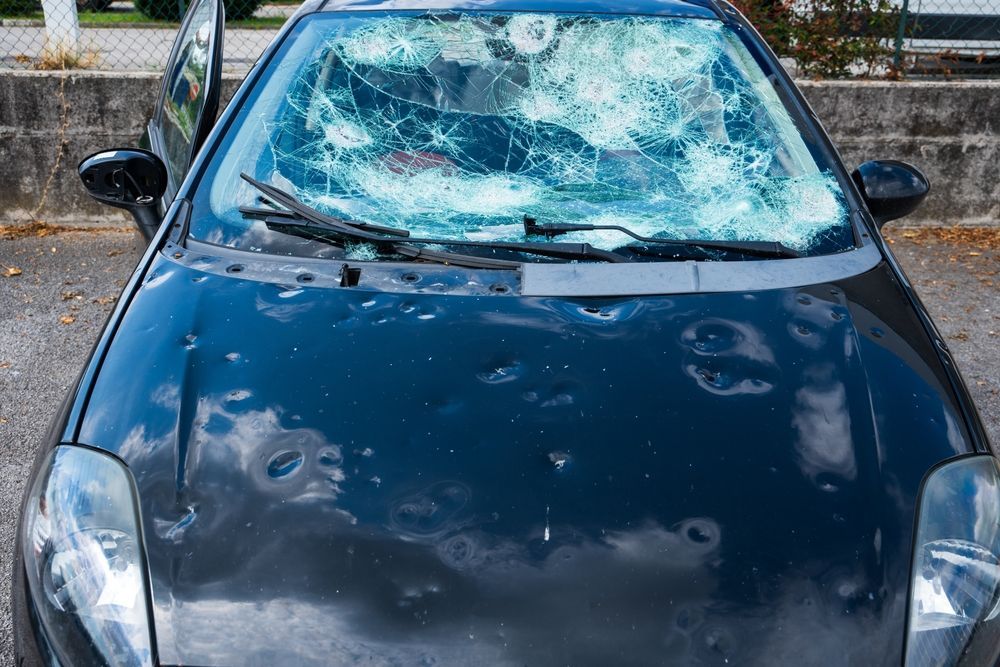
[(137, 19), (134, 17)]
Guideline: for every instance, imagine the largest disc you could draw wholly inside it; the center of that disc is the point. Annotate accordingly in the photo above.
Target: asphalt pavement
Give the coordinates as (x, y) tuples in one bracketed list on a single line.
[(50, 315), (57, 290)]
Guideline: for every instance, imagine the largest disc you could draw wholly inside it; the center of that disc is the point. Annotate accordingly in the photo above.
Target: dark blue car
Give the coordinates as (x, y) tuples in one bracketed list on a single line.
[(508, 333)]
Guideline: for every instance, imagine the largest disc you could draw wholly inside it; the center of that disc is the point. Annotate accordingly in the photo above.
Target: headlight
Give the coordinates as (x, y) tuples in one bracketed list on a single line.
[(955, 587), (83, 558)]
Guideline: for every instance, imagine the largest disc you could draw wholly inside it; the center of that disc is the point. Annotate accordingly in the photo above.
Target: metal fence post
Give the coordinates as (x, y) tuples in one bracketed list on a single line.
[(62, 27), (897, 58)]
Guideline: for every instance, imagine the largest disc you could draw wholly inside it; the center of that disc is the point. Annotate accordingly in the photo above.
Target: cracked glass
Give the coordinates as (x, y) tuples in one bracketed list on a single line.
[(458, 125)]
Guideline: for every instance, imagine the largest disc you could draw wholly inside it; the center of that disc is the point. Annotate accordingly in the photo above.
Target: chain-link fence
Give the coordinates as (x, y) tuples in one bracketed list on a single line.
[(824, 38), (129, 35), (887, 38), (950, 36)]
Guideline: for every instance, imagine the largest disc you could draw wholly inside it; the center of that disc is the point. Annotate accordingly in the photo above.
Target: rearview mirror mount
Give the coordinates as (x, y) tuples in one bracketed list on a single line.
[(128, 178)]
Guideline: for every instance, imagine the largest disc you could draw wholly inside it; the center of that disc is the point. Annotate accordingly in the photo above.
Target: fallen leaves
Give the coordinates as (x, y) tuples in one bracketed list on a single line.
[(9, 271), (983, 238), (976, 250), (12, 232), (67, 319), (40, 229), (72, 294)]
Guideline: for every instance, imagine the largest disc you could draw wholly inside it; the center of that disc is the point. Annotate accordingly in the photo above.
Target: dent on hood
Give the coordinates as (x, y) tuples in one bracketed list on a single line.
[(459, 126)]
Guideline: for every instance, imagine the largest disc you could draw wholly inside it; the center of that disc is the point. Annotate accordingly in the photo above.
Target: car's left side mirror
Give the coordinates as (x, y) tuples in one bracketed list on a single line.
[(891, 188), (128, 178)]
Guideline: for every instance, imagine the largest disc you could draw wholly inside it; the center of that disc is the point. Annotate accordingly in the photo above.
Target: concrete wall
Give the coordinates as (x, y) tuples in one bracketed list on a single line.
[(98, 109), (949, 129)]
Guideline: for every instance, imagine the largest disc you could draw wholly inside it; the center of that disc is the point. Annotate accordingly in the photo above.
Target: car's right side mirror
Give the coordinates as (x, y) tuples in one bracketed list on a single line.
[(891, 188)]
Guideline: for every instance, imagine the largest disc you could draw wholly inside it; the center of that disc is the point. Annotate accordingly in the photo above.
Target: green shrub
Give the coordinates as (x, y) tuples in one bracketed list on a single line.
[(828, 38), (173, 10), (19, 7)]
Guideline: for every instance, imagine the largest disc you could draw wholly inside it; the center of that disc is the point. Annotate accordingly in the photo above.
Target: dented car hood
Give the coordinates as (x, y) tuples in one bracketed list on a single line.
[(331, 476)]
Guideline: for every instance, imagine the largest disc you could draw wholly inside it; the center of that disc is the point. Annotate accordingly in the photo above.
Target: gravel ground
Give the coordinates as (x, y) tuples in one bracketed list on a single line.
[(52, 311)]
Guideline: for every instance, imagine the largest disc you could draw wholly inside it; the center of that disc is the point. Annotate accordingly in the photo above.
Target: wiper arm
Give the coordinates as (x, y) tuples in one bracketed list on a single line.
[(303, 215), (757, 248)]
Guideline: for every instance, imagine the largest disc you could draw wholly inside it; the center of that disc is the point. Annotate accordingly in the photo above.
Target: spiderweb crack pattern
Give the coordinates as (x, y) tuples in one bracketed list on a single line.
[(457, 126)]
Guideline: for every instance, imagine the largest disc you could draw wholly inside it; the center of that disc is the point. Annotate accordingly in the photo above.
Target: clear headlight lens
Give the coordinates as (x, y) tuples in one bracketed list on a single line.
[(83, 558), (955, 589)]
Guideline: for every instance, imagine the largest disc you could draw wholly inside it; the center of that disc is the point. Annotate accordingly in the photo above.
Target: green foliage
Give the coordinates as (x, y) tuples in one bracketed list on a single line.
[(828, 38), (19, 8), (173, 10)]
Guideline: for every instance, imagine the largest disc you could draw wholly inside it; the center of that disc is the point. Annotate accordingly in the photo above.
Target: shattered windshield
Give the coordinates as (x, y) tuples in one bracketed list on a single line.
[(458, 126)]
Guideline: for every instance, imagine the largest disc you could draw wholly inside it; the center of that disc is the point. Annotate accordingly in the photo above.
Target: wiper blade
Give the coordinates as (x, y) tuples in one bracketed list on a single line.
[(252, 212), (328, 235), (671, 248), (655, 246), (303, 215), (455, 259), (556, 250)]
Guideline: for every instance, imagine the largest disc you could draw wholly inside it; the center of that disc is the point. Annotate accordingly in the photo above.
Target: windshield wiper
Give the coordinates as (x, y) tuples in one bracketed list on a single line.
[(303, 215), (253, 212), (555, 250), (657, 246)]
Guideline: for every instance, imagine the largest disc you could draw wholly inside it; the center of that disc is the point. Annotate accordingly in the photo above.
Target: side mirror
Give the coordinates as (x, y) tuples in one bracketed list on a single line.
[(128, 178), (891, 189)]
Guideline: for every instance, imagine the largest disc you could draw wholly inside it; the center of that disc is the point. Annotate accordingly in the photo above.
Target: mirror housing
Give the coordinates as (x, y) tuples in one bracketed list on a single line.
[(128, 178), (891, 188)]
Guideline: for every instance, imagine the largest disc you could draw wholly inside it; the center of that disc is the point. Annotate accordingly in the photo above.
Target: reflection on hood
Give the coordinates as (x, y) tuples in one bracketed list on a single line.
[(417, 478)]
